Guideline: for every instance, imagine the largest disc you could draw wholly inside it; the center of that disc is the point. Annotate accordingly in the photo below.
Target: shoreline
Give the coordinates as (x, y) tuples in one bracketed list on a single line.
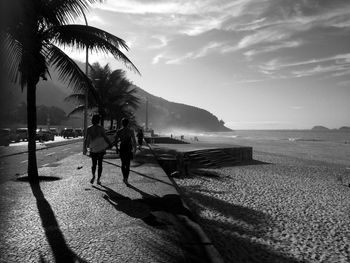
[(325, 151), (294, 207)]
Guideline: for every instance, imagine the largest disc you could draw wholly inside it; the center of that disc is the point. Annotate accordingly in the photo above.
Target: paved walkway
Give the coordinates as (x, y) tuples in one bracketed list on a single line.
[(70, 220)]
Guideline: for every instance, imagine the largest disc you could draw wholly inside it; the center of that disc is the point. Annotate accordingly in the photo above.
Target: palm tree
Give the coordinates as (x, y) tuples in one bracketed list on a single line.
[(112, 94), (32, 37), (123, 101)]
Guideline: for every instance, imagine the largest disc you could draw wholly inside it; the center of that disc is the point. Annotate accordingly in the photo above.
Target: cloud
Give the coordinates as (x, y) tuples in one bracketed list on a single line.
[(182, 7), (320, 70), (163, 41), (92, 19), (144, 7), (157, 58), (179, 16), (271, 48), (342, 73), (278, 23), (268, 33), (202, 24), (202, 52), (209, 48), (340, 59)]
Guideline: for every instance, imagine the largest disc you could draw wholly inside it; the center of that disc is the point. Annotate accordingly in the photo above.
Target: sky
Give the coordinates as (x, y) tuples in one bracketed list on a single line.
[(255, 64)]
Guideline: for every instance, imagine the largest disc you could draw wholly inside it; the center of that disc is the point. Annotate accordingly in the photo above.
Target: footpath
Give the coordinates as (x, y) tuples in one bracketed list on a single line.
[(66, 219)]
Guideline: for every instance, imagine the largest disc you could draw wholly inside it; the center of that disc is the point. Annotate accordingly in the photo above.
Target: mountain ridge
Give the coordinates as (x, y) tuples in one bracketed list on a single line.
[(163, 115)]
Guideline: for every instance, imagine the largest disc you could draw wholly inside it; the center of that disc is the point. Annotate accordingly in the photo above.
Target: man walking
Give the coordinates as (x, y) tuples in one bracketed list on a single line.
[(127, 147)]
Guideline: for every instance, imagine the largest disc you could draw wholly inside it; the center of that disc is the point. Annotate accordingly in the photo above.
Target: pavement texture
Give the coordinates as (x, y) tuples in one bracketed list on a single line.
[(64, 218)]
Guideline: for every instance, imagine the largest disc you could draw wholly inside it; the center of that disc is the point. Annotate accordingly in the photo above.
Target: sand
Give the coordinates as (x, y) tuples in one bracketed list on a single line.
[(292, 206)]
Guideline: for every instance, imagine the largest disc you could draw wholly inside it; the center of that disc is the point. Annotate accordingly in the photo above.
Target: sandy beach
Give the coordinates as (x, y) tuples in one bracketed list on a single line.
[(291, 205)]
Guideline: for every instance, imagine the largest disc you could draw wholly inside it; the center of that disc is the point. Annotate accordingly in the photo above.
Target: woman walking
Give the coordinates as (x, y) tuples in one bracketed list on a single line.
[(127, 148), (98, 142)]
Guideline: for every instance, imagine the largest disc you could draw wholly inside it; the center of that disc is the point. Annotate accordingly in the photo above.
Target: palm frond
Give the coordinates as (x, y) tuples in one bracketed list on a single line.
[(68, 70), (75, 97), (10, 54), (94, 39), (77, 109), (63, 11)]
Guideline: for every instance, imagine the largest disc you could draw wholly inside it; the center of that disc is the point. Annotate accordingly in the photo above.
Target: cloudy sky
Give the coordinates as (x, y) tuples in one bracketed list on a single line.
[(262, 64)]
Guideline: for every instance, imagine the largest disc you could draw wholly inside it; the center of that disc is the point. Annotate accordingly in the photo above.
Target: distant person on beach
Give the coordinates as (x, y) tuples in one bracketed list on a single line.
[(140, 137), (40, 134), (97, 141), (127, 147)]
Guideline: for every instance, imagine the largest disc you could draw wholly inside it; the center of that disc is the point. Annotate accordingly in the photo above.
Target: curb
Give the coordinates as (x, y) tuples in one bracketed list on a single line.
[(203, 244)]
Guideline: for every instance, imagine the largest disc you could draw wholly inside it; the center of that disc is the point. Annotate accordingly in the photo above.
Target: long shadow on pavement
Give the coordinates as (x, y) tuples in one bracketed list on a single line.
[(236, 236), (144, 175), (143, 208), (159, 213), (61, 251)]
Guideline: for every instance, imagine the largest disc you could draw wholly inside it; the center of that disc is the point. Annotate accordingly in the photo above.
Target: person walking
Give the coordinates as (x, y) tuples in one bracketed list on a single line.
[(97, 141), (140, 137), (127, 148)]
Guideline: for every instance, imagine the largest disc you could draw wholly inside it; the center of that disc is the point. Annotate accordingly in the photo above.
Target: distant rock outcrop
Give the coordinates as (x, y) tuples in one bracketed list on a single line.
[(319, 128), (322, 128), (344, 128)]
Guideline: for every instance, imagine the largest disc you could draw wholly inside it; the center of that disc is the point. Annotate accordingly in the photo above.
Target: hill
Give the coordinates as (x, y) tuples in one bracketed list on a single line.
[(319, 128), (344, 128), (163, 115), (167, 116)]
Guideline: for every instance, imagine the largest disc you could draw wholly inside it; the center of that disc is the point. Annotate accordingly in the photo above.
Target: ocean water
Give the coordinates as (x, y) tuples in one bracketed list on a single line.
[(280, 135), (326, 146)]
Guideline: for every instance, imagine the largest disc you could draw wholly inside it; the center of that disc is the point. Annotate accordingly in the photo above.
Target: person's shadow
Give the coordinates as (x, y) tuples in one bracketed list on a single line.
[(61, 251), (145, 207)]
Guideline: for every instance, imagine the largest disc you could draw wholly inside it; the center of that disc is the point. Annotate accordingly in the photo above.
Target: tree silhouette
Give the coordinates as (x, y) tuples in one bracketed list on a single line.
[(113, 96), (31, 38)]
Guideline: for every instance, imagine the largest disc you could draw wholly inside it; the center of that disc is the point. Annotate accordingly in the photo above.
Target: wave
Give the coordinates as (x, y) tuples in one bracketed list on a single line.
[(304, 140)]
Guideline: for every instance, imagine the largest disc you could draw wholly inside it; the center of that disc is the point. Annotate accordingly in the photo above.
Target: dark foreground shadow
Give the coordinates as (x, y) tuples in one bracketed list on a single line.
[(144, 175), (61, 252), (236, 236), (145, 207), (40, 178), (166, 240), (170, 233)]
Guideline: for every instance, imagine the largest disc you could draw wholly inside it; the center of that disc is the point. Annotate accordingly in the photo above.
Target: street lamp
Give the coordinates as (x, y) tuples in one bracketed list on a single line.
[(147, 114), (86, 90)]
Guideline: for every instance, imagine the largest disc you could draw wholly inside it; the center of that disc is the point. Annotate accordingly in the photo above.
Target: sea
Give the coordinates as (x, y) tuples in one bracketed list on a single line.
[(335, 136), (331, 146)]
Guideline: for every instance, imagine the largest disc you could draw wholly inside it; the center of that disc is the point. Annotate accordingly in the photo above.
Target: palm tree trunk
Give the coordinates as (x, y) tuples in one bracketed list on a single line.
[(102, 115), (111, 125), (31, 122), (119, 121)]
